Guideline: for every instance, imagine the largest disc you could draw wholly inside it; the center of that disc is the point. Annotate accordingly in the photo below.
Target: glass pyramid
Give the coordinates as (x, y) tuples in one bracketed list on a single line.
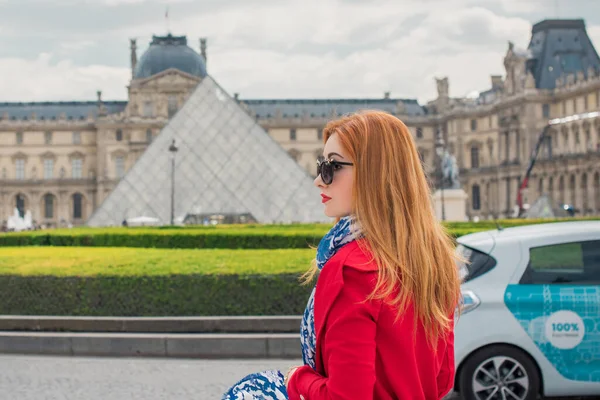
[(225, 164)]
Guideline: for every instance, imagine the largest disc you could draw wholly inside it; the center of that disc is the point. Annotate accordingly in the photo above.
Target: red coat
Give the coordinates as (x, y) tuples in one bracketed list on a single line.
[(361, 353)]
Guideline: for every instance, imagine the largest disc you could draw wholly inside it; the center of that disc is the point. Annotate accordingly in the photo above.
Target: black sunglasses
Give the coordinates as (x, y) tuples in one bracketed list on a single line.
[(325, 168)]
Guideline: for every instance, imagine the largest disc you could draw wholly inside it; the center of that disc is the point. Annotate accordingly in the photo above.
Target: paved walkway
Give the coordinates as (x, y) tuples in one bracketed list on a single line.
[(79, 378), (66, 378)]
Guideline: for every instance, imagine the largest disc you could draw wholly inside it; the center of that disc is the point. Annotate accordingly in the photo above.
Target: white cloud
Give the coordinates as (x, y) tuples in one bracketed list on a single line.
[(467, 45), (520, 6), (76, 45), (44, 79), (317, 48)]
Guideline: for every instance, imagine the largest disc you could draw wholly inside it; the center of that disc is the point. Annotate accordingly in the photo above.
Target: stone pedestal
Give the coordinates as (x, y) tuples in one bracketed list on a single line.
[(455, 204)]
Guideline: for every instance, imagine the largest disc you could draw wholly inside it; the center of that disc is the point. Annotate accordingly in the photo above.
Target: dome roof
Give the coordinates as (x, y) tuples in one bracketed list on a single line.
[(169, 52)]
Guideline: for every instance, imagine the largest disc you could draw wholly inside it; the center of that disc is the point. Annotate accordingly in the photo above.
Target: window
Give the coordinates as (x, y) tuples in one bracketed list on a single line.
[(292, 134), (419, 133), (172, 105), (585, 102), (546, 110), (77, 206), (76, 137), (48, 137), (320, 134), (48, 206), (20, 169), (478, 263), (120, 166), (474, 157), (119, 135), (77, 168), (564, 263), (149, 135), (148, 109), (473, 125), (48, 168), (19, 137), (475, 197), (588, 139)]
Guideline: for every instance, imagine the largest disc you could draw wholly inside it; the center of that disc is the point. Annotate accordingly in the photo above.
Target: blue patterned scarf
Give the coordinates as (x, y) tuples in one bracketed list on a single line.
[(268, 385)]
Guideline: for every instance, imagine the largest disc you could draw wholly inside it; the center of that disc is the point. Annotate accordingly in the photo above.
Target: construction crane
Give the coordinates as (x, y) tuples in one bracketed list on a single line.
[(534, 153)]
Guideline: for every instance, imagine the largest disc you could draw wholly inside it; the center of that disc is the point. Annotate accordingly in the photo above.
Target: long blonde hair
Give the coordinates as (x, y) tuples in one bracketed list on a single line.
[(393, 208)]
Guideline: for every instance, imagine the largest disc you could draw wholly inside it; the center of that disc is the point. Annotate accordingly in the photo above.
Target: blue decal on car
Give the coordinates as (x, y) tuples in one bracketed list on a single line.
[(564, 323)]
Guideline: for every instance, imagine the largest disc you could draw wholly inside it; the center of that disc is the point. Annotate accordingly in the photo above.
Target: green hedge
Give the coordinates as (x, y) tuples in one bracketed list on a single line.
[(222, 236), (170, 240), (174, 295)]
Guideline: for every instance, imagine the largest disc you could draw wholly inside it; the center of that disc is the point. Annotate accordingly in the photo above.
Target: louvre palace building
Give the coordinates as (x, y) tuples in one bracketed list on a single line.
[(62, 160)]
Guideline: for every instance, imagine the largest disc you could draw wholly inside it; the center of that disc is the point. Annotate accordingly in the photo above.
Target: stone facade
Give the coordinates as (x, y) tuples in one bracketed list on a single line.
[(60, 160)]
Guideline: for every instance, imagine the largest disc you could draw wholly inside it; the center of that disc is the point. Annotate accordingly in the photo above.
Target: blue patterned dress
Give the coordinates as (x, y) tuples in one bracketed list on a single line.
[(269, 385)]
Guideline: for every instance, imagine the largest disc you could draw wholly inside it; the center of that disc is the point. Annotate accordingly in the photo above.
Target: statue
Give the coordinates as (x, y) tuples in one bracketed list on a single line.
[(17, 224), (442, 86), (449, 171)]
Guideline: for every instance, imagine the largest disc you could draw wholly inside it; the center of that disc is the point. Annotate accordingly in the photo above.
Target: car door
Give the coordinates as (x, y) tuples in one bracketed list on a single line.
[(557, 302)]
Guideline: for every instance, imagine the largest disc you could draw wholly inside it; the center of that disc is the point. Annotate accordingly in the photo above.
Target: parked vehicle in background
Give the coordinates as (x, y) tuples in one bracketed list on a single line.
[(530, 321)]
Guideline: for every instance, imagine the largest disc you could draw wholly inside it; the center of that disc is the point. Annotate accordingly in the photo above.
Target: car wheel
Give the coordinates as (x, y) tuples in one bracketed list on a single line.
[(499, 373)]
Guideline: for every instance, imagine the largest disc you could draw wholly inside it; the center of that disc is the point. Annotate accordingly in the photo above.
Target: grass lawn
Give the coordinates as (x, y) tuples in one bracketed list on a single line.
[(123, 261)]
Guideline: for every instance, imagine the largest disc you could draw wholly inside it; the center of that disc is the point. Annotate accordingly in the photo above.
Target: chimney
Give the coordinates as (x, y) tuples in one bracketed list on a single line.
[(386, 95), (203, 48), (496, 81), (133, 55)]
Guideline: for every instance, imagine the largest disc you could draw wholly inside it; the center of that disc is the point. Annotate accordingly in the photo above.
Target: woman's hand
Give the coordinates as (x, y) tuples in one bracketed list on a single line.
[(288, 375)]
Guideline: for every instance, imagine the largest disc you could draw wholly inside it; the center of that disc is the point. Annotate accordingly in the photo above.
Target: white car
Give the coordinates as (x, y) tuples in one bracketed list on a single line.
[(530, 321)]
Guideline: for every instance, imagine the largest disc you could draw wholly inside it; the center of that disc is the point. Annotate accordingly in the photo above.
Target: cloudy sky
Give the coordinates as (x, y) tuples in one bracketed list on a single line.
[(57, 50)]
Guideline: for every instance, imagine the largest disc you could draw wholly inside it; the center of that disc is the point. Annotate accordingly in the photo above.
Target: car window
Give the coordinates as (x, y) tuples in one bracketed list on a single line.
[(564, 263), (477, 262)]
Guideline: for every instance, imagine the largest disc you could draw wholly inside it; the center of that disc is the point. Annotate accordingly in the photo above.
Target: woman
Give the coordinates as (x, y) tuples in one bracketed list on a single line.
[(379, 323)]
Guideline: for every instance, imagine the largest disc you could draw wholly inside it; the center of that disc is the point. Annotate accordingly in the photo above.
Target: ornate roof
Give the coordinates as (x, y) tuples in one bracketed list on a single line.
[(559, 48), (169, 52)]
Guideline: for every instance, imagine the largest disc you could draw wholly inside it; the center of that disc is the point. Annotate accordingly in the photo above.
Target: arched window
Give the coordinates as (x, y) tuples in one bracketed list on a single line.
[(48, 206), (77, 206), (119, 135), (20, 204)]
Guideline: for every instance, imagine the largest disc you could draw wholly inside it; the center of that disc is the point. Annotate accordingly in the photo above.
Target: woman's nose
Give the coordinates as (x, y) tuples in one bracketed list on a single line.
[(318, 181)]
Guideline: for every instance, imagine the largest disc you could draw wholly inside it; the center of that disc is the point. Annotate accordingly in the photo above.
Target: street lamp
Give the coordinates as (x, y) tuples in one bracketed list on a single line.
[(173, 149), (440, 146)]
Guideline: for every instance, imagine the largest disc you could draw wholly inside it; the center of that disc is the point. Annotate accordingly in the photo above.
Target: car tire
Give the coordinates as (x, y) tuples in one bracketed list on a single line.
[(478, 377)]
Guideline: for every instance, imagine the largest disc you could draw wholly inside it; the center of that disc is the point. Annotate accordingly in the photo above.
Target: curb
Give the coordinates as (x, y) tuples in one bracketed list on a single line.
[(223, 324), (264, 346)]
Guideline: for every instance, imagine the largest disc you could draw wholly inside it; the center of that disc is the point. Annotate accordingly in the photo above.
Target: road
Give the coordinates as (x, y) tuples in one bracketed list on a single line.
[(82, 378)]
